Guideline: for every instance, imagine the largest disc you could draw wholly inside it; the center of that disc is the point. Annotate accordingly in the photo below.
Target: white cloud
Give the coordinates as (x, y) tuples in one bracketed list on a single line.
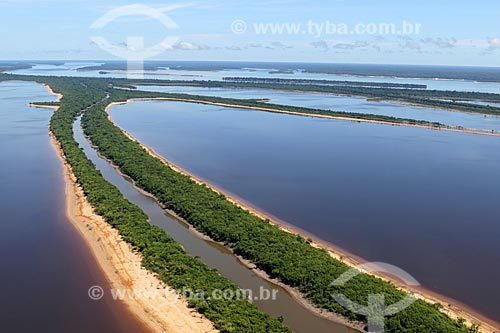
[(343, 45), (442, 43), (494, 43), (187, 46)]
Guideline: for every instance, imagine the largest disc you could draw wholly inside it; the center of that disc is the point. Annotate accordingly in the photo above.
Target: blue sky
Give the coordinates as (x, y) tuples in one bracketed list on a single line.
[(450, 32)]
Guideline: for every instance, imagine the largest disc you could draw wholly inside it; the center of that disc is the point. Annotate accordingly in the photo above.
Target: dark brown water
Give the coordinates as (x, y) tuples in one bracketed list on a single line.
[(423, 200), (216, 256), (46, 268)]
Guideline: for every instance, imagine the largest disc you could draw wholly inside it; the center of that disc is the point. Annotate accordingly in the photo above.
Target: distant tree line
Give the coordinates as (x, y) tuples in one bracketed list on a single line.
[(284, 256), (161, 254), (325, 82), (453, 100)]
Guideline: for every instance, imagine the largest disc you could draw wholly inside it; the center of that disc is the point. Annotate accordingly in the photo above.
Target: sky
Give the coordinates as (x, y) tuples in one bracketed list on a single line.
[(332, 31)]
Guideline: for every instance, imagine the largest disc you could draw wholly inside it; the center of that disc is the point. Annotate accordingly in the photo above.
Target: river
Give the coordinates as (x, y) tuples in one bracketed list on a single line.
[(47, 268), (215, 255), (255, 70), (423, 200), (343, 103)]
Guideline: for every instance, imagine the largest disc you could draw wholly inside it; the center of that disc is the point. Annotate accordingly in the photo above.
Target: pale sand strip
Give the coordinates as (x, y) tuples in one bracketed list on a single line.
[(34, 105), (122, 267), (346, 118), (452, 308), (51, 92), (299, 297), (382, 100)]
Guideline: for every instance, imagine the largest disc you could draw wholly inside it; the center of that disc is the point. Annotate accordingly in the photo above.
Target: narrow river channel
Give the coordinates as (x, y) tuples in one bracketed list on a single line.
[(216, 256)]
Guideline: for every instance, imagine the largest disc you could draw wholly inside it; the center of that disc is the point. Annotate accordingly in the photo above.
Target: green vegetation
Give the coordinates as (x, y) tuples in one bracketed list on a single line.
[(324, 82), (284, 256), (47, 103), (289, 258), (121, 94), (480, 74), (452, 100), (12, 66), (161, 254), (116, 66)]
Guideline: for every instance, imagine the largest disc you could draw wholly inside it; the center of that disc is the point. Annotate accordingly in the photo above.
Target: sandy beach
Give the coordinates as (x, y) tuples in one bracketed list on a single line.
[(51, 92), (123, 269), (165, 311), (299, 297), (451, 307)]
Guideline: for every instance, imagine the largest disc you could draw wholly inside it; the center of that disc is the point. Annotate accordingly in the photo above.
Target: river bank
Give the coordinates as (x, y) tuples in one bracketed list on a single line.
[(446, 128), (123, 267), (51, 92), (452, 308), (162, 311), (294, 294), (368, 99)]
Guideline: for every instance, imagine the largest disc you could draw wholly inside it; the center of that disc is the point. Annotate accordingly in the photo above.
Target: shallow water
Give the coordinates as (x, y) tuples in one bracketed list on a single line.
[(423, 200), (46, 267)]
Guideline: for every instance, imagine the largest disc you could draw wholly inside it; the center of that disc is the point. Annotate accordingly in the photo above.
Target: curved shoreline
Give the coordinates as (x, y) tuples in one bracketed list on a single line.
[(296, 295), (447, 128), (367, 98), (406, 78), (450, 307), (51, 92), (122, 267)]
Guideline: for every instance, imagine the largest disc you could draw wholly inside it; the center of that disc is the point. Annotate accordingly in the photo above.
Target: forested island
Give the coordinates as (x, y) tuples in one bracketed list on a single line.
[(324, 82), (479, 74), (287, 257), (450, 100)]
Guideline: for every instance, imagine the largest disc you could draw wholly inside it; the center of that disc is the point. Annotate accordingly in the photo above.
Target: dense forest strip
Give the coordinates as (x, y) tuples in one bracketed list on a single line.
[(13, 66), (351, 117), (324, 82), (45, 104), (258, 104), (287, 257), (448, 100), (161, 254), (461, 73), (371, 91), (480, 74), (123, 94), (123, 268), (110, 83), (250, 104)]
